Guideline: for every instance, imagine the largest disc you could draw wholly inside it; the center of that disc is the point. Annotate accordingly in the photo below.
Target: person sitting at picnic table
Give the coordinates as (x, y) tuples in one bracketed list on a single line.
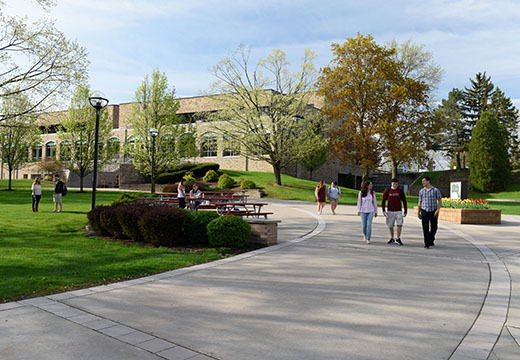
[(195, 194)]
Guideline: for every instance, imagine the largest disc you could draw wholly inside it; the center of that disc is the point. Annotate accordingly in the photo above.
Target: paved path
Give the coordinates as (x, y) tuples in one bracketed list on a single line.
[(319, 294)]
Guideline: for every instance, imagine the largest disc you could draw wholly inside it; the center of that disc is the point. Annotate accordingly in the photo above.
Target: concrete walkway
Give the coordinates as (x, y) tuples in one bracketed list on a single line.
[(321, 293)]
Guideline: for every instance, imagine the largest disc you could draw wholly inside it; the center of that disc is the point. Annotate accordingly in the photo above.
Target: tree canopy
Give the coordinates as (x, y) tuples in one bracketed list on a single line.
[(77, 135), (155, 107), (265, 108), (38, 61)]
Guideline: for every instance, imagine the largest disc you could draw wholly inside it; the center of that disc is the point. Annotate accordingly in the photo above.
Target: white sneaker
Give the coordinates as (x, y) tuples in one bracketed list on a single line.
[(54, 210), (319, 212), (59, 210)]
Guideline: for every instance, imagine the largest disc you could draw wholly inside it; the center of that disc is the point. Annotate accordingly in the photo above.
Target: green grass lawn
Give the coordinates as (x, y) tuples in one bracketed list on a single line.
[(46, 252)]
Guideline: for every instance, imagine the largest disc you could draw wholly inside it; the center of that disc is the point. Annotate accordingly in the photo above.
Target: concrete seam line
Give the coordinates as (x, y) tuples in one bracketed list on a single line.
[(499, 289)]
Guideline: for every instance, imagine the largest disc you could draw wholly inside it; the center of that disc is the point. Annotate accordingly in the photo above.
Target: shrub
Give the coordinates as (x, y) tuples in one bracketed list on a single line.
[(170, 177), (229, 230), (109, 221), (195, 227), (172, 188), (211, 176), (162, 225), (190, 180), (127, 198), (201, 169), (128, 217), (94, 218), (185, 166), (225, 182), (247, 184)]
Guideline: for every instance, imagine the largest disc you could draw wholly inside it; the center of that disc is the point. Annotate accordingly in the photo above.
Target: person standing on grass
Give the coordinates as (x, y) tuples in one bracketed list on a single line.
[(395, 196), (181, 194), (333, 192), (430, 202), (36, 194), (367, 209), (57, 194), (320, 193)]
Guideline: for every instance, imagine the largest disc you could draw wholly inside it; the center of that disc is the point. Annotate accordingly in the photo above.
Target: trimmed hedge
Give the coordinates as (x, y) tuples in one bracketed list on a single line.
[(170, 177), (229, 230), (163, 225), (201, 169), (128, 217), (195, 226), (247, 184), (211, 176), (109, 221), (94, 218), (225, 182)]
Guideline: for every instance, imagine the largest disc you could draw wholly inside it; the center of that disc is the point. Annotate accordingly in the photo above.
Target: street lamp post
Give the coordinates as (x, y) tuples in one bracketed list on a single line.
[(153, 132), (98, 103)]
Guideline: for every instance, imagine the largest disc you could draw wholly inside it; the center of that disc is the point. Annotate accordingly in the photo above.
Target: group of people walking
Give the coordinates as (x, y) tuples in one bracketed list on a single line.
[(393, 203)]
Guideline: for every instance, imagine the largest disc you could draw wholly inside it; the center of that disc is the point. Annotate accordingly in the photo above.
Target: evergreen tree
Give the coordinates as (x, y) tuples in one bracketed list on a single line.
[(455, 138), (507, 118), (489, 162), (477, 98)]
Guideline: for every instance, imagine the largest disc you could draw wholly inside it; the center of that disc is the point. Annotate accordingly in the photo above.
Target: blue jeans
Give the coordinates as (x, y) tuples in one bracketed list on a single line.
[(366, 223)]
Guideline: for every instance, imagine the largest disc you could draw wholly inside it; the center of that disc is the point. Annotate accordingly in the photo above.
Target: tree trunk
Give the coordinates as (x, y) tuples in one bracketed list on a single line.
[(277, 174), (458, 160), (366, 170), (10, 177), (310, 177), (394, 169), (81, 184)]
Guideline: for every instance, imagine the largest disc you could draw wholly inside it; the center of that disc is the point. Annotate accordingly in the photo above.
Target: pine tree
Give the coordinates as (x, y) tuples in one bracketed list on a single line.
[(477, 98), (507, 119), (489, 162)]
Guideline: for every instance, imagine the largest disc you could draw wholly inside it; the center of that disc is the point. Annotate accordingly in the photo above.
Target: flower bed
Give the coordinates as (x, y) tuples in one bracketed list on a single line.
[(465, 204), (468, 211)]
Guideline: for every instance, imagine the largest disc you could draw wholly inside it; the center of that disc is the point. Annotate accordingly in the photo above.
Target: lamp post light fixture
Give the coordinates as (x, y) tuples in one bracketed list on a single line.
[(153, 132), (97, 103)]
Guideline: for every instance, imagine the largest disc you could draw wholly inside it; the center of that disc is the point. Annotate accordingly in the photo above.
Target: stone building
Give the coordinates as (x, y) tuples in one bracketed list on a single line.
[(210, 148)]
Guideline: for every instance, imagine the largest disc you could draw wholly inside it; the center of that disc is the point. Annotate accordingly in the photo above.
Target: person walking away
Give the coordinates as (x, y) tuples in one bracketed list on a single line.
[(181, 194), (333, 193), (36, 194), (57, 194), (367, 209), (320, 194), (394, 216), (195, 194), (430, 202)]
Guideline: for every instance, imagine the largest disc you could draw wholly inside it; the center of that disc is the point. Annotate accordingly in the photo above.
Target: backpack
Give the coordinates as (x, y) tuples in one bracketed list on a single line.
[(64, 190)]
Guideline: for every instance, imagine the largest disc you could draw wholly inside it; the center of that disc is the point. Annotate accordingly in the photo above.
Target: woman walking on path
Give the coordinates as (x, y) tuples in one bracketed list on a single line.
[(320, 193), (36, 194), (333, 192), (367, 209)]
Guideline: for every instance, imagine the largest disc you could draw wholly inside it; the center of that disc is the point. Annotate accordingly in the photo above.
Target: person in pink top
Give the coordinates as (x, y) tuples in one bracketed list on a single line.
[(367, 209)]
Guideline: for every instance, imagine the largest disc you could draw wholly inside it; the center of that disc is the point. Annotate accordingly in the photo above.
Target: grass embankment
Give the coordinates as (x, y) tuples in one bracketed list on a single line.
[(46, 252)]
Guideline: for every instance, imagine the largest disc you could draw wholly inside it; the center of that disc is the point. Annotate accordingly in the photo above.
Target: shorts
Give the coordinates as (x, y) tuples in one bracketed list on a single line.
[(333, 199), (394, 216), (56, 198)]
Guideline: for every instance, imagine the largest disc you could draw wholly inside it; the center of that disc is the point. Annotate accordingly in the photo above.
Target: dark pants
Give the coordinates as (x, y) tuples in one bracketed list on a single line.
[(182, 203), (429, 226), (36, 201)]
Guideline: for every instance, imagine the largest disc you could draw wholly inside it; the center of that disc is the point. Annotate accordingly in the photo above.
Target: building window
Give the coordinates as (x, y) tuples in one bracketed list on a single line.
[(37, 152), (231, 147), (208, 146), (50, 150)]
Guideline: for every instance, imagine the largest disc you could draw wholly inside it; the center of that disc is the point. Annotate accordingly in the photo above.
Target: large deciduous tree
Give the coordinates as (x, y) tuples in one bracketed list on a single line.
[(38, 61), (376, 104), (409, 126), (17, 133), (155, 107), (264, 107), (489, 162), (77, 136)]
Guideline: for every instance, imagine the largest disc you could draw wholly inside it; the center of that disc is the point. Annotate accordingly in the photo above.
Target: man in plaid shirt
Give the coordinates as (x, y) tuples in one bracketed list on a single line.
[(430, 202)]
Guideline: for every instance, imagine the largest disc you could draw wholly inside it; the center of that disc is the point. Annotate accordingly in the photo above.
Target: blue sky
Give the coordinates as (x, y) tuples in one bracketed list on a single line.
[(127, 39)]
